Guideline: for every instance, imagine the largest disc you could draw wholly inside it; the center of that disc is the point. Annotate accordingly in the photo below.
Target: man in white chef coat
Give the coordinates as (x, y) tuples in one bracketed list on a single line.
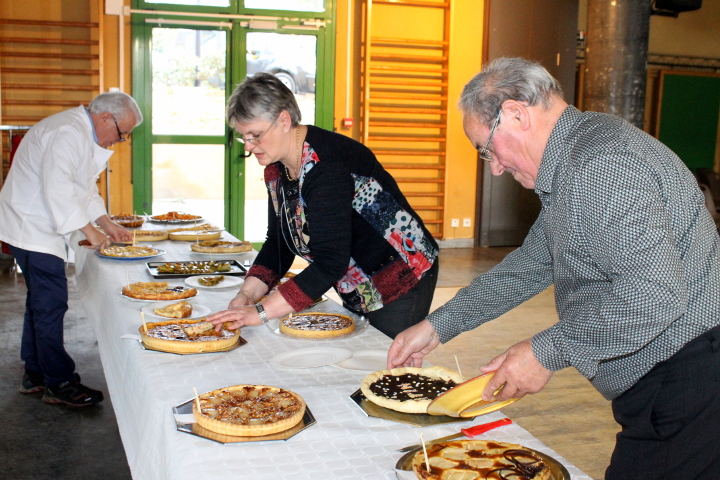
[(51, 192)]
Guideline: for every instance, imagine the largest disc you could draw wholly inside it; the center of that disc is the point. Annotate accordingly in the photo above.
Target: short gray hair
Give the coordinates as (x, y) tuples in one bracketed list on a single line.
[(119, 104), (261, 96), (507, 79)]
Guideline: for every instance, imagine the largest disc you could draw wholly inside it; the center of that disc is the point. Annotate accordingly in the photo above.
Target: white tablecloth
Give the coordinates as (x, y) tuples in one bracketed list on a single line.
[(145, 385)]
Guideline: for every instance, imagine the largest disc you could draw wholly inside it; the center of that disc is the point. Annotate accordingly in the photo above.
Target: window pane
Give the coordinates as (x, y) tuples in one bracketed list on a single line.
[(188, 87), (201, 3), (294, 5), (190, 179)]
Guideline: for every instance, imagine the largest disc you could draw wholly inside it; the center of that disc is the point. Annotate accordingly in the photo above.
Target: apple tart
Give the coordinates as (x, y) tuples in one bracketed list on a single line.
[(408, 389), (129, 251), (157, 291), (147, 236), (187, 336), (175, 310), (480, 460), (249, 410), (220, 246), (317, 325)]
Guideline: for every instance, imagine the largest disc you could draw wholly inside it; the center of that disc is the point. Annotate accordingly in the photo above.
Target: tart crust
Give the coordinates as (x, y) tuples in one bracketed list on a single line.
[(127, 220), (416, 405), (476, 459), (194, 235), (129, 251), (317, 325), (249, 410), (148, 236), (171, 336), (157, 291), (220, 246)]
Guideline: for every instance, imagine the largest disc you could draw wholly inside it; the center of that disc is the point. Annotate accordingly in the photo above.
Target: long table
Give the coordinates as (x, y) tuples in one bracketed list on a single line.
[(145, 385)]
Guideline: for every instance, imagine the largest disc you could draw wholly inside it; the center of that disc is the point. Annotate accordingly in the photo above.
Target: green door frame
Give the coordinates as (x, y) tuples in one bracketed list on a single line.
[(235, 71)]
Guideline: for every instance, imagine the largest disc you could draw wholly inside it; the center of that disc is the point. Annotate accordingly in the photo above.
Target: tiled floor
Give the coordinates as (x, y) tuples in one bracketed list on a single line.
[(40, 441)]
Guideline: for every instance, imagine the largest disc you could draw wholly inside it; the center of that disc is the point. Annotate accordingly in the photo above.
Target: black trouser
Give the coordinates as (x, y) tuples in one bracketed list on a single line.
[(409, 309), (671, 418)]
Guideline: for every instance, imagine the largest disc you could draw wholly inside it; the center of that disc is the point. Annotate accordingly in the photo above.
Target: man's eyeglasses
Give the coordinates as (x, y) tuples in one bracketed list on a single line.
[(255, 140), (120, 135), (485, 152)]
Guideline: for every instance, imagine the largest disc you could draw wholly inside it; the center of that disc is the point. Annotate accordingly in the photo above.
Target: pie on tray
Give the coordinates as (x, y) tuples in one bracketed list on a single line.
[(127, 220), (147, 236), (220, 246), (129, 251), (175, 216), (175, 310), (480, 460), (194, 235), (157, 291), (317, 325), (408, 389), (204, 226), (187, 336), (249, 410)]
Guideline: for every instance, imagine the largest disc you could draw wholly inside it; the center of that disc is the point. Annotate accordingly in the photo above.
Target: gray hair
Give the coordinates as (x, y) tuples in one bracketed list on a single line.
[(507, 79), (261, 96), (119, 104)]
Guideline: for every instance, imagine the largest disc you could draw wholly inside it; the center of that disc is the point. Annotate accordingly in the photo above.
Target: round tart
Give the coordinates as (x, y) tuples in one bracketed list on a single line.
[(220, 246), (204, 226), (147, 236), (194, 235), (175, 216), (175, 310), (317, 325), (408, 389), (129, 251), (187, 336), (480, 460), (127, 220), (249, 410), (157, 291)]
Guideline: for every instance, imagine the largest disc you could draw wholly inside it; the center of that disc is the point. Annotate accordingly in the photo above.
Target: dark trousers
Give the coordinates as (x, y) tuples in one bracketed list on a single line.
[(671, 418), (43, 349), (409, 309)]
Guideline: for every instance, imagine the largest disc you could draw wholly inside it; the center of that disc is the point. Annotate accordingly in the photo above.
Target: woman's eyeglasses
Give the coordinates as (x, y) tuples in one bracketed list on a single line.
[(485, 152), (256, 140)]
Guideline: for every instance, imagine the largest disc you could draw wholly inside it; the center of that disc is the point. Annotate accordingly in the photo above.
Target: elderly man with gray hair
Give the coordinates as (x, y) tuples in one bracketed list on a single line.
[(633, 254), (50, 193)]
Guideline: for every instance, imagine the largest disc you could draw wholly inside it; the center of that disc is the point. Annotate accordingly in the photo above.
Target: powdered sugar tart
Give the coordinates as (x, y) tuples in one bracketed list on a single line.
[(317, 325), (480, 460), (129, 251), (187, 336), (408, 389), (249, 410)]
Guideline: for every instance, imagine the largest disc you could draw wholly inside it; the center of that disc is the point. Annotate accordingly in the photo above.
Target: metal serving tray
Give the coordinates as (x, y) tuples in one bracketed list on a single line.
[(235, 269)]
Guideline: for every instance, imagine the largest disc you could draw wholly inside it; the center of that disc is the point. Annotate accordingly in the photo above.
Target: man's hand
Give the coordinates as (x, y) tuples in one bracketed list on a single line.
[(116, 232), (518, 369), (412, 344), (96, 238)]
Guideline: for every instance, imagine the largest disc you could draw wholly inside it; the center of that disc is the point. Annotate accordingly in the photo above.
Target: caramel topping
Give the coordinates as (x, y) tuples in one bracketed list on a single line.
[(250, 405), (174, 331), (410, 386)]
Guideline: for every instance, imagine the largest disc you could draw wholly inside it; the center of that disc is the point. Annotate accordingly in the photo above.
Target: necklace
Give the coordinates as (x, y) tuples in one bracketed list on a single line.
[(297, 157)]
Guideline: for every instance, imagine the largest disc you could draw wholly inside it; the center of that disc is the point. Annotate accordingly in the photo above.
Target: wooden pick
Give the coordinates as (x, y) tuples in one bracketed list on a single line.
[(142, 315), (134, 241), (427, 461), (458, 366), (197, 399)]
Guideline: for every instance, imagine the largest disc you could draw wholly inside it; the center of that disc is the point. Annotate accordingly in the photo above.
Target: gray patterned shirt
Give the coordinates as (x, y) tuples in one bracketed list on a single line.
[(625, 237)]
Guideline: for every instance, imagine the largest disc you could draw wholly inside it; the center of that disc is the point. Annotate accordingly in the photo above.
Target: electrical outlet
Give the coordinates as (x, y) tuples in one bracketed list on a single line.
[(455, 222), (467, 222)]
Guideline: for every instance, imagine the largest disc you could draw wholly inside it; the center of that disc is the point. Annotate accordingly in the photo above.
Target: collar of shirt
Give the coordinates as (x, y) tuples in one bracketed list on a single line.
[(92, 125), (551, 159)]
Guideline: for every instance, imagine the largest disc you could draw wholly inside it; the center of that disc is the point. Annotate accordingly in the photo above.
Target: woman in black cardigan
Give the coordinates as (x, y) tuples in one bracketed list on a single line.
[(333, 204)]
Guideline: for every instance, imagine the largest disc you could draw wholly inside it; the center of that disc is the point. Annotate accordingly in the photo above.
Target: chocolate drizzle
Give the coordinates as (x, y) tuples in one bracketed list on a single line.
[(521, 470), (410, 386)]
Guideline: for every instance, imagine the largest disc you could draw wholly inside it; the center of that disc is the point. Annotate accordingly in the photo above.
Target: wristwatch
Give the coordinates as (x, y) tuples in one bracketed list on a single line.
[(261, 312)]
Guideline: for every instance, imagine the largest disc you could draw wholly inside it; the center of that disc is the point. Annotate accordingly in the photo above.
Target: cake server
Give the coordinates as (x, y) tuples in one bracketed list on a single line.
[(465, 432)]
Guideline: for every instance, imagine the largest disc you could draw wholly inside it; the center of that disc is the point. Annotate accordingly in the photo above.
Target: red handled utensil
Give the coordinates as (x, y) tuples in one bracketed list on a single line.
[(465, 432)]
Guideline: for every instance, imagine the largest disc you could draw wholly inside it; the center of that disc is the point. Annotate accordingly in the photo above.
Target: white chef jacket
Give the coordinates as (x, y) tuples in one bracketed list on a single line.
[(51, 190)]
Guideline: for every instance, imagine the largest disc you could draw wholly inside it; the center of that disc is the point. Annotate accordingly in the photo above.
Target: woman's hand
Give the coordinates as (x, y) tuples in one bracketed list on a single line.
[(240, 316)]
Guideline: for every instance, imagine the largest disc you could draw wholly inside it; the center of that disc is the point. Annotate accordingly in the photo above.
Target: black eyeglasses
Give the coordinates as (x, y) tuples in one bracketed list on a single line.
[(120, 135), (485, 152)]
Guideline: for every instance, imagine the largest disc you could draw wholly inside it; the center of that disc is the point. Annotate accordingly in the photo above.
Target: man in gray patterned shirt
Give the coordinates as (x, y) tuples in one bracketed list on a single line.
[(634, 255)]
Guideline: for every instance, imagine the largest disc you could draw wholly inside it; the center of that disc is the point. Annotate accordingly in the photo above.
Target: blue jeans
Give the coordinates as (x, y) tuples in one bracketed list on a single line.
[(43, 349)]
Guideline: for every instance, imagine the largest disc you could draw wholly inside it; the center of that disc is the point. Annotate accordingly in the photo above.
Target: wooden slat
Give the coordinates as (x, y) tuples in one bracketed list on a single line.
[(406, 69), (399, 95), (424, 194), (419, 180), (45, 23), (46, 41), (404, 137), (429, 208), (11, 119), (410, 110), (413, 166), (46, 86), (409, 153), (407, 124), (80, 56), (55, 103), (390, 57), (50, 71), (412, 3), (407, 42)]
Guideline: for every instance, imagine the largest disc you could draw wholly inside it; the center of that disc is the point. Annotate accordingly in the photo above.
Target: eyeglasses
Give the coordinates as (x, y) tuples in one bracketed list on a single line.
[(485, 152), (120, 135), (258, 139)]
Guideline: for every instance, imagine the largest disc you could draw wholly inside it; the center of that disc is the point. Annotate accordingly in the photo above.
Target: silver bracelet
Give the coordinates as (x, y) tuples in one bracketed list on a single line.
[(261, 313)]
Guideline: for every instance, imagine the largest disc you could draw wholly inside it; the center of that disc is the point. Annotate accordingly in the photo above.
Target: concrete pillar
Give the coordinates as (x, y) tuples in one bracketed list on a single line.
[(616, 58)]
